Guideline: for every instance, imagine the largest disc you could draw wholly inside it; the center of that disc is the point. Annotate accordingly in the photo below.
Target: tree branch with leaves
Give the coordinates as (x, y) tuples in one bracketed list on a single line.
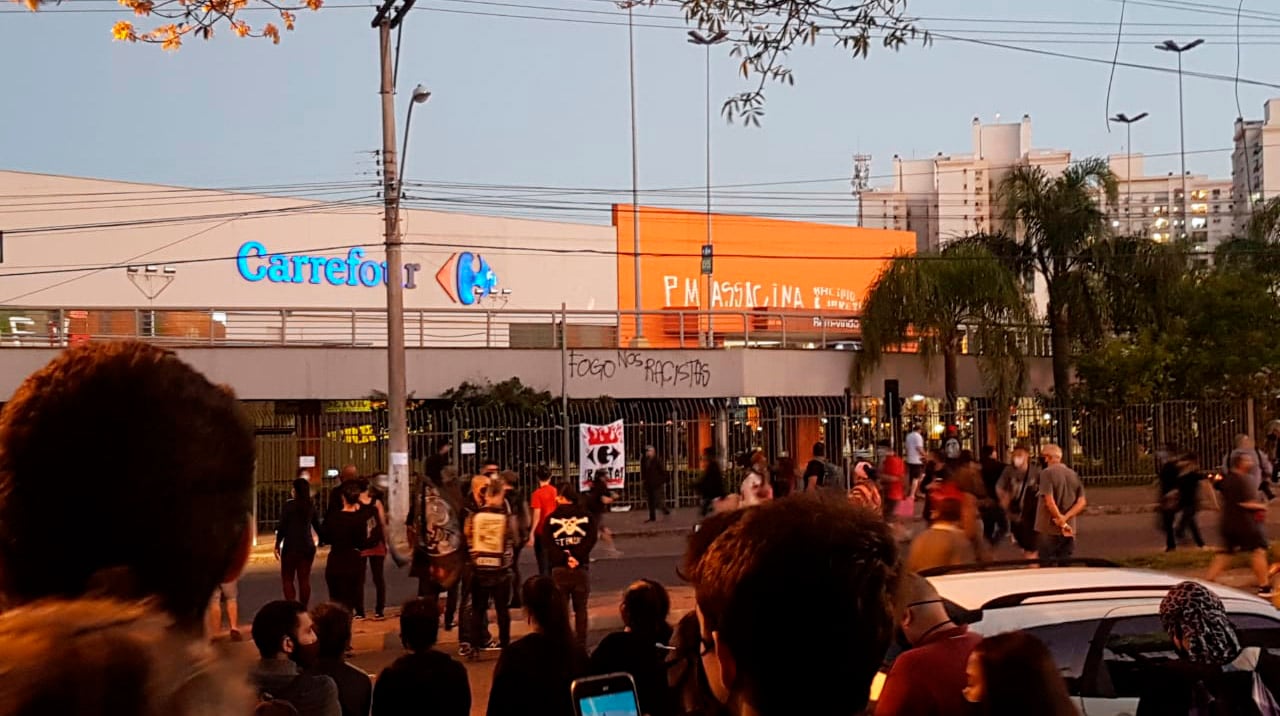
[(176, 20), (764, 32)]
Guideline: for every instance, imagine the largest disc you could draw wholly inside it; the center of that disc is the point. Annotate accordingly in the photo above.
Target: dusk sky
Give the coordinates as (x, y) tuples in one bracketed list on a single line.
[(523, 101)]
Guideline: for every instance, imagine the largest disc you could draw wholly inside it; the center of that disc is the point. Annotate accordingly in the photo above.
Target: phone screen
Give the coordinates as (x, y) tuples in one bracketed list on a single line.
[(608, 695), (622, 703)]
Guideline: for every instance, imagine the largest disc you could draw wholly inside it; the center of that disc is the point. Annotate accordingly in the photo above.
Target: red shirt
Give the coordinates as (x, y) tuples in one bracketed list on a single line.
[(929, 679), (893, 471), (543, 498)]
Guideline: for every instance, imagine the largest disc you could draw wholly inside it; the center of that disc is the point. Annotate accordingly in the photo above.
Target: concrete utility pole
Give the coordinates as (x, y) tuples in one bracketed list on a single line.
[(398, 423)]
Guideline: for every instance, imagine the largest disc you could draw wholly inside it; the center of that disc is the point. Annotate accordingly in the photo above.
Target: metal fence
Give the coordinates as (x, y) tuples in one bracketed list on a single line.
[(1111, 446)]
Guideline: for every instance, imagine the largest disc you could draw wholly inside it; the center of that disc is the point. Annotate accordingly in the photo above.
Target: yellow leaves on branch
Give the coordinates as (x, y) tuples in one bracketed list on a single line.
[(141, 8), (123, 31), (198, 17)]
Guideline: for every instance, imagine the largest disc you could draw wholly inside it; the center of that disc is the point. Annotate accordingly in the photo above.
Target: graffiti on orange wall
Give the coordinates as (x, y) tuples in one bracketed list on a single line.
[(760, 267)]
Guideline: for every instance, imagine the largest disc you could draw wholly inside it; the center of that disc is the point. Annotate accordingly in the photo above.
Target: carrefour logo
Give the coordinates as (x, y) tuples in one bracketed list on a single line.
[(254, 263), (466, 277)]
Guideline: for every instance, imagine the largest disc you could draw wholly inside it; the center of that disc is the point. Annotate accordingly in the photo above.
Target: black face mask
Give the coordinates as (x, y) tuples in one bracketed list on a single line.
[(306, 656)]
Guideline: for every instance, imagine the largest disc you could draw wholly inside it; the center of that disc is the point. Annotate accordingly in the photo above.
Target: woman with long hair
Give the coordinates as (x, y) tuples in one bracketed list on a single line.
[(533, 675), (296, 540), (1013, 674), (641, 649), (375, 512)]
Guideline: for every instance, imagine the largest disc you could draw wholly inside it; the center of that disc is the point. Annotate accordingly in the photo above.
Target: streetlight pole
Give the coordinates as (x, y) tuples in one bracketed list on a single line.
[(697, 38), (1174, 47), (387, 18), (629, 6), (420, 96), (1128, 163)]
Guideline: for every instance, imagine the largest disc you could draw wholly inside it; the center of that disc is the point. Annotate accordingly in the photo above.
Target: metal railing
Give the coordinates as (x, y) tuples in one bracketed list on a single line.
[(444, 328)]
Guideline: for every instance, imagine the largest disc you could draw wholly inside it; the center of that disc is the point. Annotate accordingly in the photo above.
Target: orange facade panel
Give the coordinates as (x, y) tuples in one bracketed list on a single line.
[(761, 269)]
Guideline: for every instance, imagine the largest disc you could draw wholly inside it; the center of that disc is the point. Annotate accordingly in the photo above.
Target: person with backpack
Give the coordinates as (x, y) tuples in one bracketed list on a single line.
[(1018, 486), (435, 531), (821, 473), (517, 506), (491, 540), (1213, 674)]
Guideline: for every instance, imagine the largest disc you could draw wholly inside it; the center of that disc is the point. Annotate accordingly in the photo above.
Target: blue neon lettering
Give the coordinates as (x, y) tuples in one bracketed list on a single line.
[(255, 263), (250, 248), (334, 270)]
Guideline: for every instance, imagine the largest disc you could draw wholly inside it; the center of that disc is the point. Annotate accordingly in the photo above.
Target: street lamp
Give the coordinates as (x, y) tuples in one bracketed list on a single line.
[(1128, 123), (697, 38), (1174, 47), (420, 95), (629, 6)]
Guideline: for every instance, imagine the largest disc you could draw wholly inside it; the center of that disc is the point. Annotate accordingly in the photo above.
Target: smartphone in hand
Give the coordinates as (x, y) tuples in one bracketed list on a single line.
[(608, 695)]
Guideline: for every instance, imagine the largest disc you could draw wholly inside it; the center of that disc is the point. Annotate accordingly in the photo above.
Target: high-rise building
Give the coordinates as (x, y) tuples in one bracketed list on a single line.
[(1255, 163), (949, 196), (1151, 205), (952, 195)]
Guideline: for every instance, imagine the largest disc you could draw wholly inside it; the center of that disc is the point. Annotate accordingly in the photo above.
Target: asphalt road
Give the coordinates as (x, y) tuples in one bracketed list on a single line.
[(657, 557), (1108, 536), (652, 557)]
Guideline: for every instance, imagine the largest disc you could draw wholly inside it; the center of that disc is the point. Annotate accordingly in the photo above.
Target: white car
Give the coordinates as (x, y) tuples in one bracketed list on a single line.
[(1100, 621)]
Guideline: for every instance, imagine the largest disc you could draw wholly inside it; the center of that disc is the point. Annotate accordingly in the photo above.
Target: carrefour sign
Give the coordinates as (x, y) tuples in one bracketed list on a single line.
[(466, 278), (254, 263)]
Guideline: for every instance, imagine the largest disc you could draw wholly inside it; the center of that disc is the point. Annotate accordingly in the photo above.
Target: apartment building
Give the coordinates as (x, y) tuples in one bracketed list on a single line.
[(952, 195), (1153, 206), (1255, 162)]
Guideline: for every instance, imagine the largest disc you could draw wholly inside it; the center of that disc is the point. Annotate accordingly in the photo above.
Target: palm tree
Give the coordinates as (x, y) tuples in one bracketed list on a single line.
[(1057, 221), (935, 300)]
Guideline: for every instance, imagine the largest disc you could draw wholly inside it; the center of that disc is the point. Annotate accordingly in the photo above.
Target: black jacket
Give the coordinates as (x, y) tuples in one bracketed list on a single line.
[(570, 530), (533, 677), (355, 689), (653, 472), (427, 677), (293, 534), (643, 658)]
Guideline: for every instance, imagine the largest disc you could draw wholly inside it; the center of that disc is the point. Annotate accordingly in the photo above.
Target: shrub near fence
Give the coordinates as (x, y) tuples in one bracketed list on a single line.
[(1110, 446)]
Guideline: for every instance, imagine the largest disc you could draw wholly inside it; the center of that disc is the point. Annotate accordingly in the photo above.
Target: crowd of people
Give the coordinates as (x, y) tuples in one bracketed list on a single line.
[(114, 622)]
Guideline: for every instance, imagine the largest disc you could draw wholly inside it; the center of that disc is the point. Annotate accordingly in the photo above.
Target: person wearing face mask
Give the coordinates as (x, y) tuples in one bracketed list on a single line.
[(1212, 667), (1017, 487), (286, 641), (928, 677)]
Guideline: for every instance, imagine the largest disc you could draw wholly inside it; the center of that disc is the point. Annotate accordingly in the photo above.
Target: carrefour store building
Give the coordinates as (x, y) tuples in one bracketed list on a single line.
[(283, 299), (87, 258)]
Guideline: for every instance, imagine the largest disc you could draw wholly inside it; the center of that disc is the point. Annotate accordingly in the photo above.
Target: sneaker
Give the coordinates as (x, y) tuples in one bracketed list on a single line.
[(359, 617), (464, 650), (1265, 592), (379, 617), (493, 645), (448, 626)]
